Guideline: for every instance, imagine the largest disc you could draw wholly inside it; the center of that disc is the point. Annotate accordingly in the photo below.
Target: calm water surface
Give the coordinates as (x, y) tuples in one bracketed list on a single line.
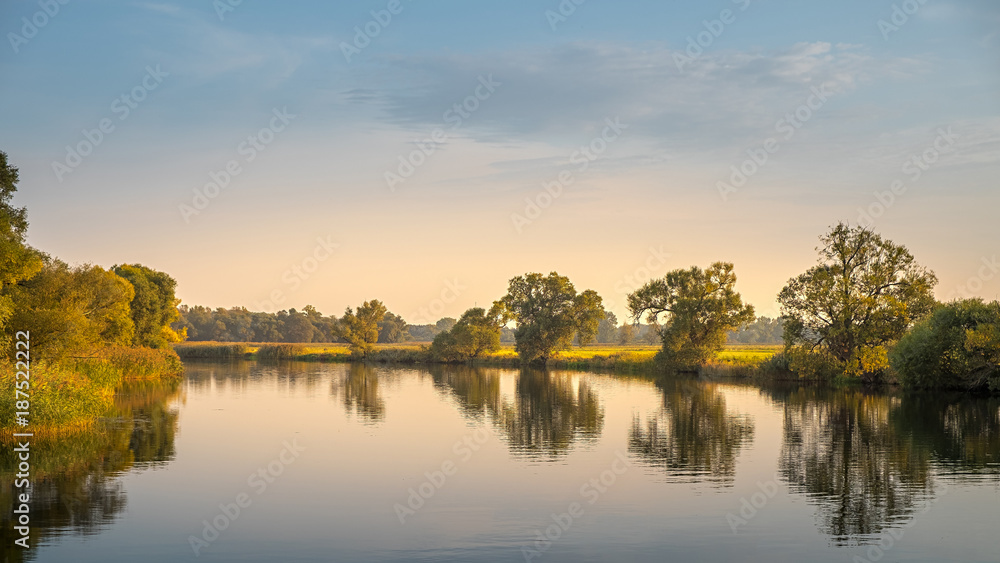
[(359, 463)]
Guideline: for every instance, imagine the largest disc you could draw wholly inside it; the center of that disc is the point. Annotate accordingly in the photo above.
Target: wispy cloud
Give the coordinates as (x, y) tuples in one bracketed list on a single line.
[(563, 91)]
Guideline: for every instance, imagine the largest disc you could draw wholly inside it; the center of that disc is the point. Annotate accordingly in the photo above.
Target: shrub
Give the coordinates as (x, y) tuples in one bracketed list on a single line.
[(445, 348), (813, 364), (775, 364), (870, 364), (957, 347), (475, 334)]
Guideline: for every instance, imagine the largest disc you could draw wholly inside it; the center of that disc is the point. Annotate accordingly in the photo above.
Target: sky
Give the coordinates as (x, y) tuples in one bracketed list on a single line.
[(277, 154)]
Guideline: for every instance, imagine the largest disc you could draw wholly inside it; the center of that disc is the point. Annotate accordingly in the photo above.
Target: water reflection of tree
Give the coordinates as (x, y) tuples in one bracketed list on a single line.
[(548, 413), (74, 488), (360, 393), (154, 423), (693, 436), (477, 390), (962, 431), (840, 450), (240, 376)]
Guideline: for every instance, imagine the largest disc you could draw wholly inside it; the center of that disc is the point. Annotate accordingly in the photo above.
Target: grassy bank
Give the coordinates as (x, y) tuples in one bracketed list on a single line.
[(70, 396), (736, 361)]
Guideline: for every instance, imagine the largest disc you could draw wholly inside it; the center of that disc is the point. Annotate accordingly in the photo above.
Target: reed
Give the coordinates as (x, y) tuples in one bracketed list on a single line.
[(212, 350), (143, 363), (69, 396), (63, 398), (277, 352)]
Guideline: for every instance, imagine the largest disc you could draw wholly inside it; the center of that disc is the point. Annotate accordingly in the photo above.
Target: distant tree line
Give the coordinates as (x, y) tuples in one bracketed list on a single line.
[(764, 330), (308, 325), (238, 324)]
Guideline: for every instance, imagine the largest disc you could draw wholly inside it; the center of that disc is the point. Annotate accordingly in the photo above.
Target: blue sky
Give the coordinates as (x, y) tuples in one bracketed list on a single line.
[(663, 181)]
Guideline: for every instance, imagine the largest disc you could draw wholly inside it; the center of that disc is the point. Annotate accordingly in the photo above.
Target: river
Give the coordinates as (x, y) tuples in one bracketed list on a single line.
[(249, 461)]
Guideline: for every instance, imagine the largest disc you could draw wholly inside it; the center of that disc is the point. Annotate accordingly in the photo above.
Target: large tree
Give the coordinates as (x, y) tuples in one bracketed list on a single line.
[(265, 327), (392, 329), (545, 310), (18, 261), (73, 311), (697, 309), (445, 323), (360, 329), (588, 312), (323, 326), (154, 307), (295, 326), (607, 329), (864, 294)]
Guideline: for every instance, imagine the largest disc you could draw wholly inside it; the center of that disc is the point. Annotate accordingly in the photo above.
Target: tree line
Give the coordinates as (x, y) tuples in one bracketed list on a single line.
[(237, 324)]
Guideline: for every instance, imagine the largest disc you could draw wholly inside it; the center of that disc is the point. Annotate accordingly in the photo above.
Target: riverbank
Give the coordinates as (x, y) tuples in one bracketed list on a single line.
[(736, 361), (70, 396)]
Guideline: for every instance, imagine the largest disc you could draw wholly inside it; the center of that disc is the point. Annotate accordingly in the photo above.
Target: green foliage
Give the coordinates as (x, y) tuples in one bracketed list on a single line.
[(813, 364), (958, 346), (361, 330), (776, 364), (445, 323), (72, 311), (18, 261), (154, 306), (588, 312), (240, 325), (392, 329), (546, 312), (700, 307), (861, 297), (476, 333), (607, 329), (763, 330), (295, 326)]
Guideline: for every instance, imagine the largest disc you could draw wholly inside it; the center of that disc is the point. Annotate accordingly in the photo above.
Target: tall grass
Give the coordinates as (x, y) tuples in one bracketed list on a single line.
[(216, 350), (631, 361), (276, 352), (63, 398), (70, 396), (143, 363)]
